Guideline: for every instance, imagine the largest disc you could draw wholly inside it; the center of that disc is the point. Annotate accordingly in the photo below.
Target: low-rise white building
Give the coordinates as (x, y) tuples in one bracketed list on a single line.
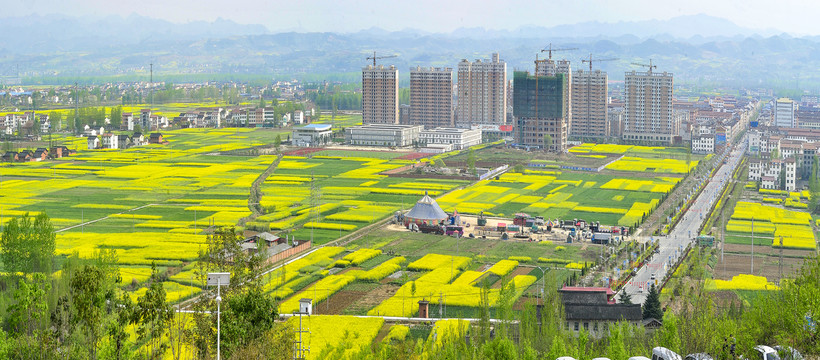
[(703, 144), (109, 141), (312, 135), (768, 173), (383, 135), (459, 138)]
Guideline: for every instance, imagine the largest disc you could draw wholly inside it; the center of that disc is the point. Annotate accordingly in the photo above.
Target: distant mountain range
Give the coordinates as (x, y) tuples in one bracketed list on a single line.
[(697, 48)]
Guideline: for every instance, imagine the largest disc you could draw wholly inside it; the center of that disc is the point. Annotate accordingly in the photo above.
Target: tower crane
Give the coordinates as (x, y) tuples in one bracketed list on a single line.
[(374, 58), (589, 83), (549, 50), (591, 60), (650, 66)]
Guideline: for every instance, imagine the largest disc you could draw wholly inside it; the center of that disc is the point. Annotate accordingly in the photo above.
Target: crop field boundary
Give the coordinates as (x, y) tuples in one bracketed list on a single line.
[(119, 213)]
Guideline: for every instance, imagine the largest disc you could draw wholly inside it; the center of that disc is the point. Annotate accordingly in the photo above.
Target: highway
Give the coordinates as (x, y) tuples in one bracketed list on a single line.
[(672, 245)]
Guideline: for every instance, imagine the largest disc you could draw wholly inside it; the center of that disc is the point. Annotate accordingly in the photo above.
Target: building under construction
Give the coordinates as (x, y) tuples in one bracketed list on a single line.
[(539, 109)]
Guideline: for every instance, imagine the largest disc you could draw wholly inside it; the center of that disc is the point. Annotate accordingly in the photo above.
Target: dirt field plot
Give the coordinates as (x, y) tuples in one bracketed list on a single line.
[(764, 266)]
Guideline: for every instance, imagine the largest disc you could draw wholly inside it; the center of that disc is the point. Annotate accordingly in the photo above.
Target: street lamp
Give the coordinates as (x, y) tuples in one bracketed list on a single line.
[(218, 280), (543, 282)]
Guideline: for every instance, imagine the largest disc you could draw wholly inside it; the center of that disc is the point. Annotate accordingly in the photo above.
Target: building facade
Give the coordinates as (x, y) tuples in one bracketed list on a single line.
[(589, 105), (648, 107), (767, 172), (431, 97), (311, 135), (380, 95), (614, 119), (457, 137), (383, 135), (539, 111), (703, 144), (784, 113), (553, 68), (482, 92), (808, 117), (594, 310)]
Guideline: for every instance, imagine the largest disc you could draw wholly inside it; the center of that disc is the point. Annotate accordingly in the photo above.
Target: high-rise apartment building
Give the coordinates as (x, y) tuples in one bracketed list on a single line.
[(589, 105), (550, 67), (539, 110), (431, 97), (380, 95), (784, 110), (648, 107), (482, 92)]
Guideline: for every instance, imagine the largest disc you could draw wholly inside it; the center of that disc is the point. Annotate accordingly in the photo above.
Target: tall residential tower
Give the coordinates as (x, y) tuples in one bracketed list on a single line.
[(380, 95), (539, 110), (648, 107), (431, 97), (551, 67), (482, 87), (589, 104)]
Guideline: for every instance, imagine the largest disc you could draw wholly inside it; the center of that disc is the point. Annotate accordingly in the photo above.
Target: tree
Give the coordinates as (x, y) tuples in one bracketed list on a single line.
[(28, 246), (247, 317), (471, 161), (782, 177), (775, 153), (30, 307), (123, 311), (116, 117), (625, 298), (547, 142), (262, 103), (152, 315), (814, 187), (668, 336), (89, 295), (277, 142), (652, 304)]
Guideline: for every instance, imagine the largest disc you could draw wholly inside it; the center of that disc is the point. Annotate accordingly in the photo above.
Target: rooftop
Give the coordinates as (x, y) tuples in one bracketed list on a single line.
[(316, 126)]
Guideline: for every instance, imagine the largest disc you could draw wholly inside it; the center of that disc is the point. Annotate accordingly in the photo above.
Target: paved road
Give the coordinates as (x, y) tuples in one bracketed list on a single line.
[(672, 246)]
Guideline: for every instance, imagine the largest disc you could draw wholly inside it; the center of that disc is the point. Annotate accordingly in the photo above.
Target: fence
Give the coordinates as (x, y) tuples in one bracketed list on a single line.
[(288, 253)]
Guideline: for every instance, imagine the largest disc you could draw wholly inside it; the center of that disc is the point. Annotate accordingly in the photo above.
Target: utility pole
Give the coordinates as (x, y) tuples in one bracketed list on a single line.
[(76, 106), (300, 351), (440, 305), (780, 263)]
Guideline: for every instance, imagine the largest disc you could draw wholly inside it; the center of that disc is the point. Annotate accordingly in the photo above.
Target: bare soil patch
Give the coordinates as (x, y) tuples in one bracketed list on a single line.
[(372, 298), (518, 271), (767, 266)]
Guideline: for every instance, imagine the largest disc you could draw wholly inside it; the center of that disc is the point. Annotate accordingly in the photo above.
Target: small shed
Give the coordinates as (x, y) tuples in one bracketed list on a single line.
[(601, 238), (424, 309), (306, 306)]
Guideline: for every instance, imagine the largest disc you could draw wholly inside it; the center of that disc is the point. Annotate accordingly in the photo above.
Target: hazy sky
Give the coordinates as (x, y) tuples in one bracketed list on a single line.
[(793, 16)]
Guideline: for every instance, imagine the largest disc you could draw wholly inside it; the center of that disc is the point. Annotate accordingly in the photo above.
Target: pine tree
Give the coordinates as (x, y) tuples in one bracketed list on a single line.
[(625, 298), (652, 305)]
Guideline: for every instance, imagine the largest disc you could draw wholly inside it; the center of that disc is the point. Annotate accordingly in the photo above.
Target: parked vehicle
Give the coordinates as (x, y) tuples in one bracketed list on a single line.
[(431, 229), (639, 358), (766, 353), (453, 229), (788, 352), (698, 356), (662, 353)]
